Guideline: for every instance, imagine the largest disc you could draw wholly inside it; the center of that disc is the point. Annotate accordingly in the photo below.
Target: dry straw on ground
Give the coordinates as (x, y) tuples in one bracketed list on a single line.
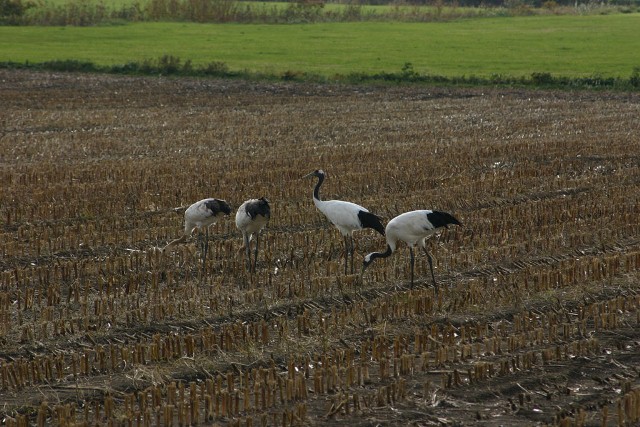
[(537, 318)]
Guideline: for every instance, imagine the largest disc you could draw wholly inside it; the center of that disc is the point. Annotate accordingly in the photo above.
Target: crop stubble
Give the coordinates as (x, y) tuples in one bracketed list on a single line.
[(536, 323)]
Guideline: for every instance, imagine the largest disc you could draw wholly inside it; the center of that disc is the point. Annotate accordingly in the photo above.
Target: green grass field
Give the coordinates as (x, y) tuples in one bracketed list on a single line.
[(572, 46)]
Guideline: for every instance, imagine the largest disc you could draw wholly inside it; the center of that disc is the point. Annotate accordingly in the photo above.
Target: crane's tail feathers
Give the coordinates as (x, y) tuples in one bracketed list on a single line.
[(442, 219), (369, 220)]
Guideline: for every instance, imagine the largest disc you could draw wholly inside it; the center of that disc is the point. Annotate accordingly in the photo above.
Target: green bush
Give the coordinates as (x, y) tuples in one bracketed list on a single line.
[(192, 10), (69, 65), (216, 68), (634, 80), (12, 11), (168, 64), (542, 78)]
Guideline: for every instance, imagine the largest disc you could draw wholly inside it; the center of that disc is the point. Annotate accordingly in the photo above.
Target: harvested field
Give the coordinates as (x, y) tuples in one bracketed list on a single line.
[(536, 322)]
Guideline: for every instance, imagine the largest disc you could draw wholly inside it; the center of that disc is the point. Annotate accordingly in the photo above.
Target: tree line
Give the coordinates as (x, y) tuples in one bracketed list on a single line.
[(79, 12)]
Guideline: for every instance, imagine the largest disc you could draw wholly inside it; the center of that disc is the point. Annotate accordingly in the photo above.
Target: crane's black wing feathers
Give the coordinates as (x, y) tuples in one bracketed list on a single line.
[(441, 219), (369, 220), (258, 207), (216, 206)]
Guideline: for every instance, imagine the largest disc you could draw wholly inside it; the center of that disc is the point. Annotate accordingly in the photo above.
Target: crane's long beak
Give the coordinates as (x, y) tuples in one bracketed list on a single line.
[(308, 175)]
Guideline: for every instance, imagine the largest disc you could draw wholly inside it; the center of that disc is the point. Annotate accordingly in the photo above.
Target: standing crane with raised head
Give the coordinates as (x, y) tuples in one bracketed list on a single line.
[(413, 228), (199, 216), (252, 216), (347, 217)]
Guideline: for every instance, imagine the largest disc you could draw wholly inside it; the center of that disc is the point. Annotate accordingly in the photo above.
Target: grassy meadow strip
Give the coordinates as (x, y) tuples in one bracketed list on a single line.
[(573, 46)]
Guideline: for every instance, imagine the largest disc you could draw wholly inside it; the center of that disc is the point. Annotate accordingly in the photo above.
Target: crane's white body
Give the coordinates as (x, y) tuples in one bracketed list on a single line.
[(413, 228), (347, 217), (200, 216), (252, 216), (247, 225), (343, 215)]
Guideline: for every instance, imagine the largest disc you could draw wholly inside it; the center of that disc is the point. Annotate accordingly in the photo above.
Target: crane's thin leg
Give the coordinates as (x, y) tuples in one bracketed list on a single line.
[(352, 251), (433, 277), (346, 254), (247, 250), (201, 243), (204, 252), (255, 253), (412, 262)]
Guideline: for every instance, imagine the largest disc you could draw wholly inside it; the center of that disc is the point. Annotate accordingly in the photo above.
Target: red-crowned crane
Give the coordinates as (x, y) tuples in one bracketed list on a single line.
[(413, 228), (252, 216), (201, 215), (346, 216)]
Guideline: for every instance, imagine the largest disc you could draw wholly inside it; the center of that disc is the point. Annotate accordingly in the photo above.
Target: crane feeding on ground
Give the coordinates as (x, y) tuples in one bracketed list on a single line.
[(413, 228), (199, 216), (252, 216)]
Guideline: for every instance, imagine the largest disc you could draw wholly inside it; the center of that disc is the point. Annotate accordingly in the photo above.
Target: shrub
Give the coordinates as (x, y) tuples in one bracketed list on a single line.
[(69, 65), (216, 68), (352, 12), (408, 72), (634, 80), (301, 13), (542, 78), (128, 68), (12, 11), (168, 64), (290, 75)]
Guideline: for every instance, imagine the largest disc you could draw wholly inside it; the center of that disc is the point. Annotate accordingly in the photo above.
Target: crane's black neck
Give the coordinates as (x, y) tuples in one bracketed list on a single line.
[(316, 191), (384, 254)]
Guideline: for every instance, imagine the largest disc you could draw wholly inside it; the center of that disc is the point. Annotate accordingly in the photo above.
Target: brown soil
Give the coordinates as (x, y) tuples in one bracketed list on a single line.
[(536, 321)]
